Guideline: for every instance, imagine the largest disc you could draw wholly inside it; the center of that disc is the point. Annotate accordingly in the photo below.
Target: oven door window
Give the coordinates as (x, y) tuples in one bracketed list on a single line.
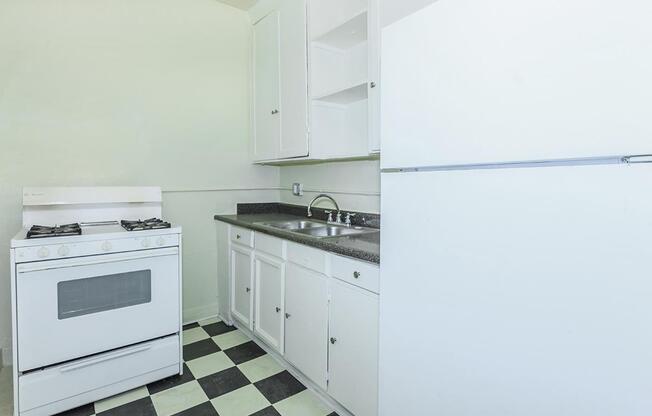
[(103, 293)]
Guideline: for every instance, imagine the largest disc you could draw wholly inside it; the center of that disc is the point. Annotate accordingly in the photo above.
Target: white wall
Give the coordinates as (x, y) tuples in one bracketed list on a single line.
[(354, 185), (129, 92)]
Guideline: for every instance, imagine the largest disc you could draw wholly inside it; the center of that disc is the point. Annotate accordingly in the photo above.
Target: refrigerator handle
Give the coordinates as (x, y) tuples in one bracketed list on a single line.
[(637, 159)]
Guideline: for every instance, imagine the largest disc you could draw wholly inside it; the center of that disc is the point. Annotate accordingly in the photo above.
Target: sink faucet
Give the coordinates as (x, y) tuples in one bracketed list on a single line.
[(324, 196)]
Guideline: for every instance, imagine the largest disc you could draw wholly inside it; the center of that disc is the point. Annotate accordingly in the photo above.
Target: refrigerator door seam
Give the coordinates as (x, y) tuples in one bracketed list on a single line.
[(611, 160)]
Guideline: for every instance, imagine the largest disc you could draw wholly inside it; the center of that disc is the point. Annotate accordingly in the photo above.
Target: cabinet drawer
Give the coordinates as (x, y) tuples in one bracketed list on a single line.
[(242, 236), (42, 388), (270, 245), (359, 273), (308, 257)]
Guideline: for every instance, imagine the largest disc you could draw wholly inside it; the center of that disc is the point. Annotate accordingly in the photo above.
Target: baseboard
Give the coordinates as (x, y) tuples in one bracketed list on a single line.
[(199, 313)]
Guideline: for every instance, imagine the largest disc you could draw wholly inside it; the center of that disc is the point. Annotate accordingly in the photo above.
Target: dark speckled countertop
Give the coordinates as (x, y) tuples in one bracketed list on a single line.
[(363, 246)]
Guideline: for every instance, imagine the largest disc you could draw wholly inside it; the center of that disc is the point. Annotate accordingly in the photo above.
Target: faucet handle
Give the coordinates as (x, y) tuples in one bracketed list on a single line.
[(330, 216), (347, 220)]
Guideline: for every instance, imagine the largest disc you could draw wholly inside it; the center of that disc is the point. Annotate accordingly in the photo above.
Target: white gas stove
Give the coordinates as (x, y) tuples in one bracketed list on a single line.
[(97, 301)]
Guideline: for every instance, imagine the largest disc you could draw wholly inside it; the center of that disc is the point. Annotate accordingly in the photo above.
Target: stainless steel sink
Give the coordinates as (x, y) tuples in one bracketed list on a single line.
[(334, 231), (293, 225), (317, 229)]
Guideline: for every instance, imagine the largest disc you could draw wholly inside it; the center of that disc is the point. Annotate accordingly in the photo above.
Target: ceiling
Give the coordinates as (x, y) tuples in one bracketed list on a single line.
[(240, 4)]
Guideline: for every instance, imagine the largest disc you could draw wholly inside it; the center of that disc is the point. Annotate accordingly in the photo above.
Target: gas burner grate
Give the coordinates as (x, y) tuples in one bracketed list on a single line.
[(150, 224), (42, 231)]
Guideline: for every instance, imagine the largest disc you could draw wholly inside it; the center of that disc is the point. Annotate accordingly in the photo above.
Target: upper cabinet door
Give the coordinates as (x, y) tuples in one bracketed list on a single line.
[(373, 86), (294, 79), (472, 81), (267, 121)]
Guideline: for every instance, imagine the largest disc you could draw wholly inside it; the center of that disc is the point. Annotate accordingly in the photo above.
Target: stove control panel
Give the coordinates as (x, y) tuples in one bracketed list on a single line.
[(90, 248)]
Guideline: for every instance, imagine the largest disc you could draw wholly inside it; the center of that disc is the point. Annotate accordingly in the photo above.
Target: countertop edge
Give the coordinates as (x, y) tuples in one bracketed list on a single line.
[(319, 244)]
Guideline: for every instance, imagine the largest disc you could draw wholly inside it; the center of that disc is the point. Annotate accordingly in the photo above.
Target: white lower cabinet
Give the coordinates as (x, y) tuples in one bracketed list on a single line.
[(306, 323), (317, 309), (269, 293), (241, 276), (353, 350)]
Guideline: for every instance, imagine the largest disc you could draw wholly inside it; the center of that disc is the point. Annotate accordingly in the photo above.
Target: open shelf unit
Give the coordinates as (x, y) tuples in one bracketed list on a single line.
[(345, 35), (339, 76)]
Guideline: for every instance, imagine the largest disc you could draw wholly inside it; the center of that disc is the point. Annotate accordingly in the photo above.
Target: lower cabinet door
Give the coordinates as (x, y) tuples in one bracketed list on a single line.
[(241, 274), (269, 293), (306, 322), (353, 348)]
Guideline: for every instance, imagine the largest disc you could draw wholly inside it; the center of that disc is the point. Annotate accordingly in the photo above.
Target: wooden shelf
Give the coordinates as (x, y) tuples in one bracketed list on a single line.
[(345, 35), (346, 95)]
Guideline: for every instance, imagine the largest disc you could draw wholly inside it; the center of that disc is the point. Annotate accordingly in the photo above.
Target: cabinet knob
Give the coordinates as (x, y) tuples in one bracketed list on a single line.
[(372, 84), (248, 290), (278, 309), (287, 315), (237, 236), (274, 111), (333, 340), (356, 275)]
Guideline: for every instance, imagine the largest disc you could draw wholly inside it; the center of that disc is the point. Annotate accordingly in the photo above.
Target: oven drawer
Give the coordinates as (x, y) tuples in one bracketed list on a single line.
[(73, 308), (92, 374)]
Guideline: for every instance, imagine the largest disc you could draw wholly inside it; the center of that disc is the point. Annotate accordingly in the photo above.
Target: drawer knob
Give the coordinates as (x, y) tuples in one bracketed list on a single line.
[(278, 309), (287, 315), (333, 340), (237, 236), (356, 275), (247, 290)]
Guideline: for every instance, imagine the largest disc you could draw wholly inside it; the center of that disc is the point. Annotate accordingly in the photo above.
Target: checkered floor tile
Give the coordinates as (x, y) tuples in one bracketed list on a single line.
[(225, 374)]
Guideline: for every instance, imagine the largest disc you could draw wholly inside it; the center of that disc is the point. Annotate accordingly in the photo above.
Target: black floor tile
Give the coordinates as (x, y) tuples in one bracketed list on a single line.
[(192, 325), (199, 349), (333, 414), (218, 328), (244, 352), (279, 387), (204, 409), (223, 382), (86, 410), (268, 411), (141, 407), (171, 381)]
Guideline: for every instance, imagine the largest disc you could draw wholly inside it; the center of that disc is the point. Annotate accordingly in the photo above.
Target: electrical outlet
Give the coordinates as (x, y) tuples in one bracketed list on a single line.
[(297, 189)]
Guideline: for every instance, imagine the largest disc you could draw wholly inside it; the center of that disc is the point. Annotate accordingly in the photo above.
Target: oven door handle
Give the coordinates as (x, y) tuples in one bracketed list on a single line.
[(98, 360), (92, 260)]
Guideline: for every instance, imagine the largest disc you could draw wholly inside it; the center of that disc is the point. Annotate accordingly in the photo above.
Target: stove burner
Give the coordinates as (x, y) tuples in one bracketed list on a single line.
[(150, 224), (42, 231)]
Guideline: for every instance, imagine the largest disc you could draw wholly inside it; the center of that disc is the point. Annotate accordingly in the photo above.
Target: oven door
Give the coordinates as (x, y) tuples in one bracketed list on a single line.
[(76, 307)]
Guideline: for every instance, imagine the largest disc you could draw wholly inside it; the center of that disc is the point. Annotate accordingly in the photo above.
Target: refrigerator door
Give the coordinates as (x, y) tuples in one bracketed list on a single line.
[(514, 292), (472, 81)]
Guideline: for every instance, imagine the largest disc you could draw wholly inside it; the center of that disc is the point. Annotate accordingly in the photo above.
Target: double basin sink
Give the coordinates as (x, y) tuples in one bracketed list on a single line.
[(317, 229)]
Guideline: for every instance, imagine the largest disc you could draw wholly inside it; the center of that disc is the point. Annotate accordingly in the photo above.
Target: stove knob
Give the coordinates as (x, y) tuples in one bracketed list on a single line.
[(43, 252), (160, 241), (145, 242), (63, 251), (106, 246)]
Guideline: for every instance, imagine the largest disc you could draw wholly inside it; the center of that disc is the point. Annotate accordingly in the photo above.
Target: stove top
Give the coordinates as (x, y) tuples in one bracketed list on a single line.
[(43, 231), (149, 224)]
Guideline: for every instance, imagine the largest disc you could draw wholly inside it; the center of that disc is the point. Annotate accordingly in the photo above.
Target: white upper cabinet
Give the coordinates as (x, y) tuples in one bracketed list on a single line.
[(329, 74), (267, 84), (471, 81), (280, 43)]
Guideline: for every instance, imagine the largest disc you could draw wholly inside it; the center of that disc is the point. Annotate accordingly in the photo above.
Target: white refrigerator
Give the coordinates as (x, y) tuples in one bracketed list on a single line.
[(516, 247)]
